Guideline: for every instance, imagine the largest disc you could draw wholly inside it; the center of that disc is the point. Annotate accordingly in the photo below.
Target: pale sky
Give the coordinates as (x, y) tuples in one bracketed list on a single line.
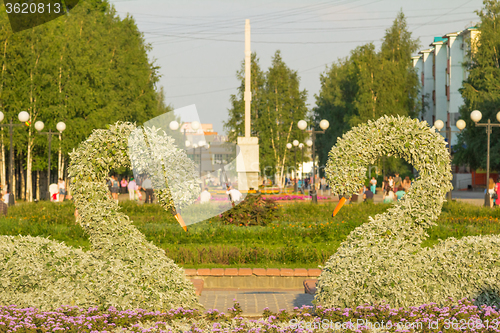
[(199, 44)]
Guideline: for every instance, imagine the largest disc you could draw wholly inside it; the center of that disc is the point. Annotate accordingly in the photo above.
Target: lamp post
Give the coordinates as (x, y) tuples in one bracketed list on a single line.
[(202, 144), (439, 124), (323, 124), (301, 146), (39, 125), (476, 117), (289, 146), (23, 117)]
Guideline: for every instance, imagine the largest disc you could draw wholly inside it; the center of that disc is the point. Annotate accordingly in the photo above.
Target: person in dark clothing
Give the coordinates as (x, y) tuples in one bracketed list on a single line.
[(368, 196)]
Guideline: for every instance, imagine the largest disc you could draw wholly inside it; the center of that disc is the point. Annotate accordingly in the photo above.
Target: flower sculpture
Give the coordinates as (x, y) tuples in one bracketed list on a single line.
[(123, 269), (383, 260)]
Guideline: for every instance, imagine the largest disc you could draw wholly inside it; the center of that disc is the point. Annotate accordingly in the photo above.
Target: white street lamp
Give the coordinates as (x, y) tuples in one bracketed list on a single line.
[(295, 143), (23, 116), (174, 125), (187, 143), (61, 126), (39, 125), (1, 115), (195, 125), (301, 145), (461, 124), (439, 124), (476, 116), (309, 142), (302, 124), (324, 124), (289, 145)]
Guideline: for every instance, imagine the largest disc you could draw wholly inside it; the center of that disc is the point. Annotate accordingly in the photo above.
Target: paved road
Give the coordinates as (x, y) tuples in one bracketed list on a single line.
[(253, 302)]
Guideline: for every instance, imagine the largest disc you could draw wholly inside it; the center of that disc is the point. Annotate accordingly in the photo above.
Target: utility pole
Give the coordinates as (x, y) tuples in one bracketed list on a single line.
[(247, 158)]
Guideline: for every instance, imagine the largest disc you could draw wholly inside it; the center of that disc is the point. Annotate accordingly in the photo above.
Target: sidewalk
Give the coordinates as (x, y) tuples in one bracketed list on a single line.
[(253, 302)]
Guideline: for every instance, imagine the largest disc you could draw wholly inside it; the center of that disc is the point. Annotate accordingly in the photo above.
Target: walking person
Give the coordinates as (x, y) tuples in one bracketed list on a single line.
[(491, 191), (397, 181), (391, 181), (148, 188), (373, 184), (385, 183), (62, 189), (124, 184), (132, 188), (497, 191), (115, 188), (406, 184)]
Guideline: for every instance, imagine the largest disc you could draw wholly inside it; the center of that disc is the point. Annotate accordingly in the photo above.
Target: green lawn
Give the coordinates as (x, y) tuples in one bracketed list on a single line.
[(305, 235)]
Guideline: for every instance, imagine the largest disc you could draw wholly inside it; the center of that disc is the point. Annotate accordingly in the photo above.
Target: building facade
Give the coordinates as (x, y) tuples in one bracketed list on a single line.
[(442, 71)]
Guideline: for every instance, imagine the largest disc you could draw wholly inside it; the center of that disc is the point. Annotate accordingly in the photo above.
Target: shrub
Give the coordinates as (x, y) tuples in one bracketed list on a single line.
[(254, 210), (382, 260), (122, 269)]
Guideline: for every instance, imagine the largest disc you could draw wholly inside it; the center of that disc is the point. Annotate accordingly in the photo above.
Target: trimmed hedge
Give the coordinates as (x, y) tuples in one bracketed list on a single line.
[(383, 260), (122, 269)]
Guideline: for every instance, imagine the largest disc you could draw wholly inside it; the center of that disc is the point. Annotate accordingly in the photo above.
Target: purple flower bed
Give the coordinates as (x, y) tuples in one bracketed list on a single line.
[(453, 317)]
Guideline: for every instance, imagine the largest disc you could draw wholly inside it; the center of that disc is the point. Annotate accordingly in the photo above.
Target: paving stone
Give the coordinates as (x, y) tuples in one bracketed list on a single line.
[(259, 271), (217, 272), (231, 272), (254, 302), (190, 272), (273, 272), (300, 272), (203, 271), (314, 272), (244, 271), (286, 272)]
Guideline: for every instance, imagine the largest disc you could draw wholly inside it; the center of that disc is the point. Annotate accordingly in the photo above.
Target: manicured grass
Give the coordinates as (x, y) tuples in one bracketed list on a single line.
[(305, 235)]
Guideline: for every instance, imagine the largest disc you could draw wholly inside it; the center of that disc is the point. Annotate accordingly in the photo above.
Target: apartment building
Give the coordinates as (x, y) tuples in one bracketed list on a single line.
[(441, 70)]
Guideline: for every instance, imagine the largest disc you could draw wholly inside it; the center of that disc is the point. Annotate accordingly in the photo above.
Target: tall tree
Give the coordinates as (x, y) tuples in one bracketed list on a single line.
[(277, 105), (480, 91), (87, 69), (368, 85)]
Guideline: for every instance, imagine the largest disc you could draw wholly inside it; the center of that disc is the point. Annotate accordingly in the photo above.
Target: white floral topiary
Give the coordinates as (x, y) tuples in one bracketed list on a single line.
[(123, 269), (383, 260)]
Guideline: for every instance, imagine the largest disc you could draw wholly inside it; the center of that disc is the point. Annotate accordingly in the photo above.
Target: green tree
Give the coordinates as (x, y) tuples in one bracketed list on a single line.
[(480, 91), (367, 85), (88, 69)]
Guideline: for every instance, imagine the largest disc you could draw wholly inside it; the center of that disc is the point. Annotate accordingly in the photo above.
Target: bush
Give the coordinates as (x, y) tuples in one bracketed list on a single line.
[(254, 210)]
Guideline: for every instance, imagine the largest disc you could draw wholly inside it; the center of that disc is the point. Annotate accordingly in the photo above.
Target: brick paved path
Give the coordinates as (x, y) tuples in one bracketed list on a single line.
[(253, 302)]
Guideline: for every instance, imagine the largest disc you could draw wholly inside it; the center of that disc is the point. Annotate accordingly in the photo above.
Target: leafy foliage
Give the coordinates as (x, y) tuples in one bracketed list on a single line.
[(88, 69), (480, 91), (367, 85), (254, 210), (383, 260), (122, 269), (277, 106)]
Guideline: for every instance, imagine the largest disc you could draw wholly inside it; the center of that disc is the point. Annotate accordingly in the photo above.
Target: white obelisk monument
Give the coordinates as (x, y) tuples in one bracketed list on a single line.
[(247, 163)]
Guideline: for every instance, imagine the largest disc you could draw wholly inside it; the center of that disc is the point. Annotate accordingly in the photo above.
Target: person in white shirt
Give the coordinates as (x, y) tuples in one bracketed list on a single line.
[(235, 194), (205, 196)]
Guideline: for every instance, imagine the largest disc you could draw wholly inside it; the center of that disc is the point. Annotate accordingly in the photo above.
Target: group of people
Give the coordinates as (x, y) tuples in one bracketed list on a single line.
[(233, 194), (132, 186), (393, 188), (494, 192)]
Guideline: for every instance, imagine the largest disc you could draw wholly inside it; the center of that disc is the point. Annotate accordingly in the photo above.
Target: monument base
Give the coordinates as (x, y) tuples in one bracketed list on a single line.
[(247, 163)]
